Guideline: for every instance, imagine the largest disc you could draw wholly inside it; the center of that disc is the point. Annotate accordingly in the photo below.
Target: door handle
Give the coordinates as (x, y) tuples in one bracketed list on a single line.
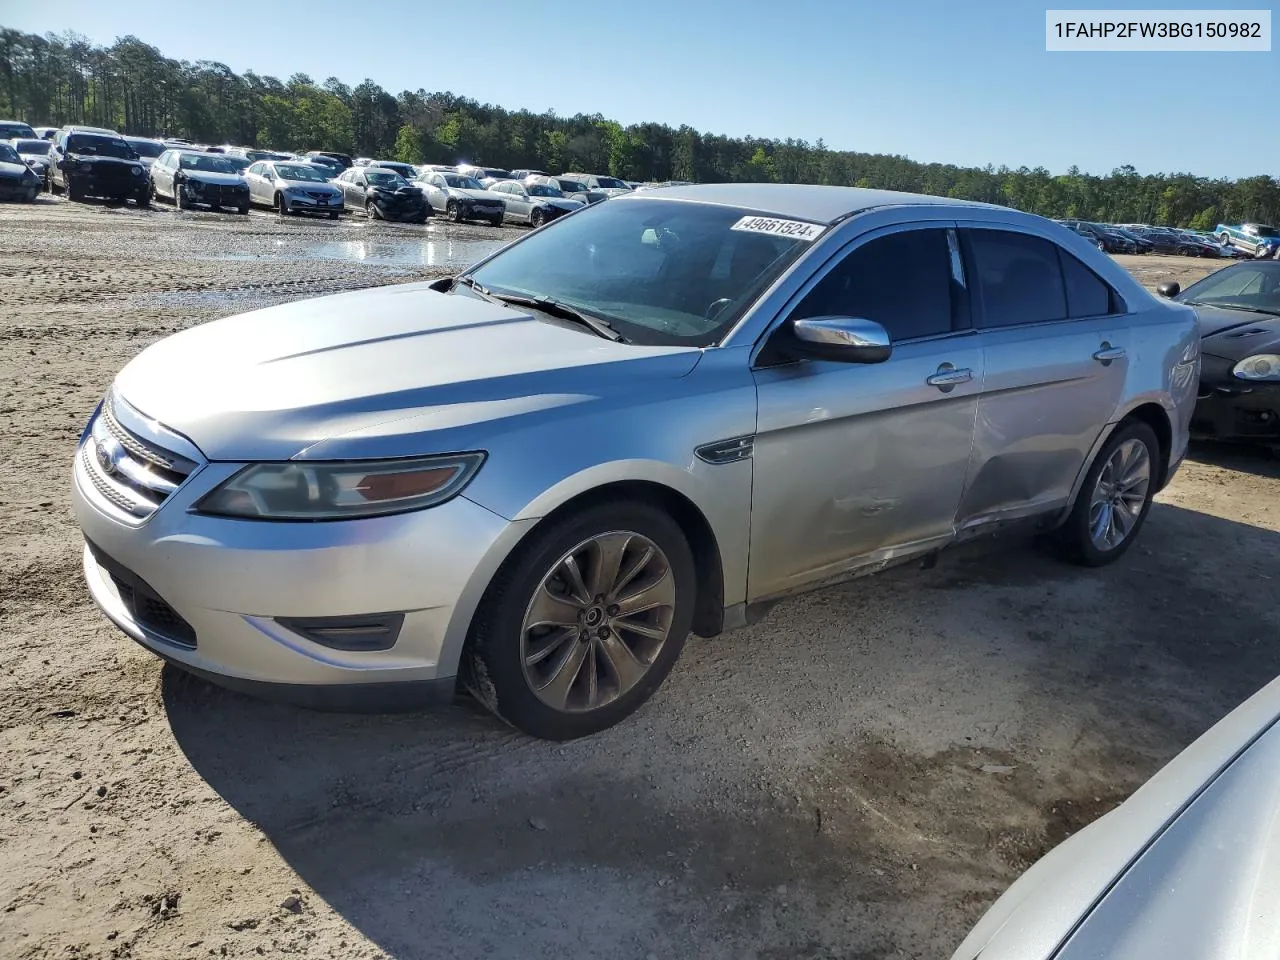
[(1106, 353), (949, 378)]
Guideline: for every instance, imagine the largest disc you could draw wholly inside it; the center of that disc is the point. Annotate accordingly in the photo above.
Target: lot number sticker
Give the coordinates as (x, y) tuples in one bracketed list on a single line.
[(792, 229)]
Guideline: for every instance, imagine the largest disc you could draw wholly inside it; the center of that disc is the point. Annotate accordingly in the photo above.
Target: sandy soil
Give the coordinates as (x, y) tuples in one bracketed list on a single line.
[(810, 788)]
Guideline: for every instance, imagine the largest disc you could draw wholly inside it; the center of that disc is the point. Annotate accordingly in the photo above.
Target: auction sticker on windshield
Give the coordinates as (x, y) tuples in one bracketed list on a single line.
[(795, 229)]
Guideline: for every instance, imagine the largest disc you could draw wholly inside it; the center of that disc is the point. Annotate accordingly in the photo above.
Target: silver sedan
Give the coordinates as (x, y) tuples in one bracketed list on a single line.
[(289, 187), (534, 203), (1189, 866), (658, 415)]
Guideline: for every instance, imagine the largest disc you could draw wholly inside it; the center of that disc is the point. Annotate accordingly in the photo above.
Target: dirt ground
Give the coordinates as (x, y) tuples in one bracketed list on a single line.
[(813, 787)]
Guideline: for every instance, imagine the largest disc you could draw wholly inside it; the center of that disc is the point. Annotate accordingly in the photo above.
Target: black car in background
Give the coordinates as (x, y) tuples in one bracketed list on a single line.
[(14, 129), (1167, 241), (1106, 239), (1239, 312), (17, 180), (383, 194), (1142, 245), (97, 164), (341, 159)]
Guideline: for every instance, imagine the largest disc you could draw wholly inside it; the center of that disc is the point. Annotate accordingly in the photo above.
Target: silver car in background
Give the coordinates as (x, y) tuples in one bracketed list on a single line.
[(1189, 866), (572, 188), (658, 415), (460, 197), (598, 183), (534, 203), (292, 187)]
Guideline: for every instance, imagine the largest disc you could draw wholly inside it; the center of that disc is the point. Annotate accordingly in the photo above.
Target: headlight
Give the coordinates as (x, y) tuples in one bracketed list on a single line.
[(1263, 366), (137, 171), (336, 491)]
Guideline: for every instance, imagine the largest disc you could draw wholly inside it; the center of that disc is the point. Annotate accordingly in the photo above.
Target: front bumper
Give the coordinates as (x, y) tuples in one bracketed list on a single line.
[(1238, 411), (208, 593), (395, 208), (475, 212), (303, 203), (110, 187)]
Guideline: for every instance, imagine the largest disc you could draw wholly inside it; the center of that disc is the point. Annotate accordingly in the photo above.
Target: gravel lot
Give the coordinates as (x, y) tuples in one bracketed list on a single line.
[(857, 777)]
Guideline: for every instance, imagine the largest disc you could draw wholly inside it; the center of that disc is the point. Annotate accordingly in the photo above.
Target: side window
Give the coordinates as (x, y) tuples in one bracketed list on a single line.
[(256, 169), (1019, 277), (901, 281), (1087, 294)]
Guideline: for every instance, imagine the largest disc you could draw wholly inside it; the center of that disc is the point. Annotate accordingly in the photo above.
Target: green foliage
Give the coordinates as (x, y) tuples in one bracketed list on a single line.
[(131, 86)]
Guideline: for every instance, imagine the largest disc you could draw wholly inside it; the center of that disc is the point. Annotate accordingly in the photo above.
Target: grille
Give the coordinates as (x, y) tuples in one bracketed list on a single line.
[(318, 195), (132, 474), (147, 607)]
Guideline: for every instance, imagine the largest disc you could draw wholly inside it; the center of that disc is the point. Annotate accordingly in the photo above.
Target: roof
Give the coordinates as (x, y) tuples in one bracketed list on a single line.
[(813, 202)]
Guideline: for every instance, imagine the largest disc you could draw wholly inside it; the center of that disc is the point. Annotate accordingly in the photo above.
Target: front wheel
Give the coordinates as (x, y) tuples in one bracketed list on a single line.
[(536, 218), (371, 210), (333, 214), (178, 200), (495, 222), (143, 199), (452, 212), (1114, 499), (243, 211), (282, 205), (584, 622)]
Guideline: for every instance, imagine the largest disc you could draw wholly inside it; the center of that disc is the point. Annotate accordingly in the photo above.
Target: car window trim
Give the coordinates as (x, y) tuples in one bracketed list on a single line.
[(959, 287), (976, 298)]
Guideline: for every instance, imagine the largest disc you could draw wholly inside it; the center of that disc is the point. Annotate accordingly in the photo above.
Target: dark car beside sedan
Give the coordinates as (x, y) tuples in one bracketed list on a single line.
[(93, 164), (1239, 312), (383, 194), (17, 180)]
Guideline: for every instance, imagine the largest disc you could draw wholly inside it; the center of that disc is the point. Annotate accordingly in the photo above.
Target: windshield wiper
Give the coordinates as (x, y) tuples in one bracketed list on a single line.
[(562, 311), (478, 288)]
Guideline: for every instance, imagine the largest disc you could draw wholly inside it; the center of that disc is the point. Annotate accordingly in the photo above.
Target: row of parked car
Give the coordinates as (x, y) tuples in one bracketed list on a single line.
[(1245, 240), (86, 161)]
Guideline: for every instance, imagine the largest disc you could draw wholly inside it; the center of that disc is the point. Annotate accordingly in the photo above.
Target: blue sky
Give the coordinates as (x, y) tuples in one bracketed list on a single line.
[(936, 81)]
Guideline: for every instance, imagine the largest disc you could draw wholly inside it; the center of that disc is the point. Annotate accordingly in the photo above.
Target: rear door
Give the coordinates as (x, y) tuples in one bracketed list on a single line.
[(1054, 338)]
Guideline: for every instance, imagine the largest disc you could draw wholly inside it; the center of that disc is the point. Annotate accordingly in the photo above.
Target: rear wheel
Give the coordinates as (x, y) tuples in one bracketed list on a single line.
[(584, 622), (1225, 238), (1114, 499)]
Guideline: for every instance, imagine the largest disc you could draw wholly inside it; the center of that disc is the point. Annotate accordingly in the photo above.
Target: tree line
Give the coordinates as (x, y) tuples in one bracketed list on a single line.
[(132, 87)]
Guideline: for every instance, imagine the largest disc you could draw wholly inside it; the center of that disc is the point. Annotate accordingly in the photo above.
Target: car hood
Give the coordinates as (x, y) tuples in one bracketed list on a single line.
[(486, 195), (561, 203), (1236, 334), (400, 368), (213, 177), (8, 169), (310, 185)]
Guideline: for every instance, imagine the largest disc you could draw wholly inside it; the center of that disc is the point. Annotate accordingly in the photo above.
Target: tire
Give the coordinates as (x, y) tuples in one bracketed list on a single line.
[(452, 212), (371, 210), (74, 194), (536, 219), (494, 661), (1077, 535), (243, 211), (281, 205), (152, 196), (1225, 238), (1102, 246), (495, 222), (178, 202), (420, 220), (334, 214), (143, 199)]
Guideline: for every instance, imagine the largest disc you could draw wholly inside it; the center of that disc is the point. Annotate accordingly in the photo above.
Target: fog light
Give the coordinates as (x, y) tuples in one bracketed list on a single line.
[(375, 631)]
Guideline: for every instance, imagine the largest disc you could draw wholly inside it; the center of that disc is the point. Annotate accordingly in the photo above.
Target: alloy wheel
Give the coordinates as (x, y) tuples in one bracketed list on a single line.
[(1120, 495), (597, 621)]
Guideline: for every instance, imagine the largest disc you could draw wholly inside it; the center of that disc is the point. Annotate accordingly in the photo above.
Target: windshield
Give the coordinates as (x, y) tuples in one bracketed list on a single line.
[(205, 162), (240, 163), (146, 148), (542, 190), (1250, 286), (10, 130), (385, 178), (491, 173), (609, 183), (33, 147), (8, 154), (299, 171), (572, 186), (462, 183), (403, 169), (660, 271), (99, 146)]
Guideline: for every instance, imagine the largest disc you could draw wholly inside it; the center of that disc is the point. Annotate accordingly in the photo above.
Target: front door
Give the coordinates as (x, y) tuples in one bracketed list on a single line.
[(857, 464)]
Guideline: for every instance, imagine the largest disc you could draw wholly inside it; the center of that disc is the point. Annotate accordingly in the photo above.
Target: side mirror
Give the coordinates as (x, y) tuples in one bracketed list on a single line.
[(842, 339), (1170, 289)]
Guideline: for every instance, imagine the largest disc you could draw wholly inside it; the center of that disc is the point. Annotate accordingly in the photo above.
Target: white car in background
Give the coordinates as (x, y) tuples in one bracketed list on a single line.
[(291, 187), (1187, 867), (460, 197)]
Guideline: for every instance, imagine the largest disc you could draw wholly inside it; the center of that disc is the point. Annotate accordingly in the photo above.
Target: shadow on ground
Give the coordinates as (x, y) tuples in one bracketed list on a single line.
[(857, 777)]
